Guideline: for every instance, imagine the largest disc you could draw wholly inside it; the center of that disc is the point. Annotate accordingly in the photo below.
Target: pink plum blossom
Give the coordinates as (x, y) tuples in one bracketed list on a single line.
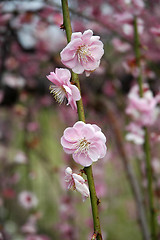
[(155, 31), (135, 134), (85, 142), (83, 52), (76, 182), (62, 87), (121, 46), (27, 199), (143, 110), (129, 30)]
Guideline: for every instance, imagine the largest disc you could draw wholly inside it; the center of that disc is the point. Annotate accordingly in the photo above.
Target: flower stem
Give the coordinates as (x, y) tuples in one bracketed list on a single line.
[(152, 215), (81, 116)]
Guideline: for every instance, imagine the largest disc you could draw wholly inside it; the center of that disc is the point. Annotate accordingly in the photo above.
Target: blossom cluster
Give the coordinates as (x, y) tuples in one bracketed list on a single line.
[(82, 53), (84, 141), (143, 110)]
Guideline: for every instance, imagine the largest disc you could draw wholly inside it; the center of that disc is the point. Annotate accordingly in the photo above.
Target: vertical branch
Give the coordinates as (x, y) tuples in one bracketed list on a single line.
[(146, 142), (107, 106), (81, 116)]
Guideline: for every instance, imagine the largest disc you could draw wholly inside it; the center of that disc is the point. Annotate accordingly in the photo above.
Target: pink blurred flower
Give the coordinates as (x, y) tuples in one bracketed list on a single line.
[(85, 142), (155, 31), (62, 87), (155, 137), (138, 5), (32, 126), (128, 29), (143, 110), (135, 134), (20, 157), (13, 81), (29, 228), (156, 166), (27, 199), (125, 17), (83, 52), (120, 46), (76, 182), (109, 89)]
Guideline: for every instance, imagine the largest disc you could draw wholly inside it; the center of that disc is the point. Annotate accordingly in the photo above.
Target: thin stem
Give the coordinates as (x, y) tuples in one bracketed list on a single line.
[(146, 142), (138, 56), (81, 116), (150, 190), (108, 107)]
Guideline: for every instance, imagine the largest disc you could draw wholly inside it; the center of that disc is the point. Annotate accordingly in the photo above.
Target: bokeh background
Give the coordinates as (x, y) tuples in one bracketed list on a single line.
[(32, 123)]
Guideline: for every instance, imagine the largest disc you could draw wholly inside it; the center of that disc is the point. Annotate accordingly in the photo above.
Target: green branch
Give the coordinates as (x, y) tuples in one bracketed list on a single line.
[(152, 215), (81, 116)]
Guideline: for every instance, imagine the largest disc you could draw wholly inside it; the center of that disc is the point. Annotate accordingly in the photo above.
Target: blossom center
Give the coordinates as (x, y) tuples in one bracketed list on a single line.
[(82, 146), (83, 53), (58, 92)]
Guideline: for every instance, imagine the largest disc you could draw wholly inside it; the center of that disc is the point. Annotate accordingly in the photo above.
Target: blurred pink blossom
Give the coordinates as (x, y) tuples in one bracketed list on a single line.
[(129, 30), (131, 67), (83, 52), (76, 182), (125, 17), (109, 89), (143, 110), (30, 226), (32, 126), (27, 199), (85, 142), (13, 81), (120, 46), (155, 137), (63, 88), (138, 5), (156, 166), (155, 31), (135, 133), (20, 157)]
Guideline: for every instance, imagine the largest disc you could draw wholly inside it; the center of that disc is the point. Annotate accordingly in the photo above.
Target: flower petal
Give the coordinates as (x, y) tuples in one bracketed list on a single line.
[(82, 159), (71, 134), (75, 93)]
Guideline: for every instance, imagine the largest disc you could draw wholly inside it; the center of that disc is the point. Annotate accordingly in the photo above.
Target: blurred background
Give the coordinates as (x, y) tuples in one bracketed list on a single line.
[(34, 202)]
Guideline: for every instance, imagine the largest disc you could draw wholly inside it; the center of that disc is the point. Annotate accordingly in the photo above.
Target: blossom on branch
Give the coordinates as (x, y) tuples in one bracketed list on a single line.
[(143, 110), (76, 182), (135, 133), (83, 52), (62, 88), (85, 142)]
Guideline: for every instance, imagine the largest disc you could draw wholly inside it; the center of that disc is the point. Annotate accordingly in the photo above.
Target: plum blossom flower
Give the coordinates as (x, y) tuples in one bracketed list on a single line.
[(135, 133), (144, 111), (155, 31), (13, 81), (62, 87), (76, 182), (83, 52), (85, 142), (120, 46), (27, 199)]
